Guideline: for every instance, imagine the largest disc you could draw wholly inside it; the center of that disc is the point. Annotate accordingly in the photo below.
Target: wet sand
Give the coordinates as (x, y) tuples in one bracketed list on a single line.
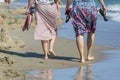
[(107, 69)]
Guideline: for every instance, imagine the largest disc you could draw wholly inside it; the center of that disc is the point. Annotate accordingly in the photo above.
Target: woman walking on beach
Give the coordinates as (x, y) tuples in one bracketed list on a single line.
[(84, 16), (46, 27)]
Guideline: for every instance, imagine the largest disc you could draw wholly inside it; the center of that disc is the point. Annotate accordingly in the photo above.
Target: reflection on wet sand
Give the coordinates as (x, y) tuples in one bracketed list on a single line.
[(83, 73), (80, 73), (41, 75), (88, 73), (44, 75)]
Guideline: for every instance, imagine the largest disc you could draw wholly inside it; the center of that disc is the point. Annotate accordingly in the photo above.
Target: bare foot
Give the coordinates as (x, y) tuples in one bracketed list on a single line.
[(82, 60), (90, 58), (52, 53), (46, 57)]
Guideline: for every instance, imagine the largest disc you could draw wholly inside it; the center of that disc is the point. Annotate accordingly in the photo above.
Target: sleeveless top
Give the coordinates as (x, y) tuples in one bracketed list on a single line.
[(44, 1), (84, 3)]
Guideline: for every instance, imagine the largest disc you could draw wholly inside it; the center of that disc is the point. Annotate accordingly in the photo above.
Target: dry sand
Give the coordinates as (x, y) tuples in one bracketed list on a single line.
[(20, 53)]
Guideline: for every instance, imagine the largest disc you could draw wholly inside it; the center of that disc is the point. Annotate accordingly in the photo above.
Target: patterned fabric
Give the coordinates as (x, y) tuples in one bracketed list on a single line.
[(84, 16), (84, 3), (45, 16)]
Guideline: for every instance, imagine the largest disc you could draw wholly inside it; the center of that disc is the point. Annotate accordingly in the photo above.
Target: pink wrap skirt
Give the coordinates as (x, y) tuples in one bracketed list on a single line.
[(45, 18)]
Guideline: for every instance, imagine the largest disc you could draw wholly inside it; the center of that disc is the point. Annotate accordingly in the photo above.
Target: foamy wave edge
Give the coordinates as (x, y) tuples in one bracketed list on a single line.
[(114, 12)]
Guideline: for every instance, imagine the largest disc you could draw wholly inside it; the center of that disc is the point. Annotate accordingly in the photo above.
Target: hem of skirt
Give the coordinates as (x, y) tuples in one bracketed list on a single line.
[(42, 39)]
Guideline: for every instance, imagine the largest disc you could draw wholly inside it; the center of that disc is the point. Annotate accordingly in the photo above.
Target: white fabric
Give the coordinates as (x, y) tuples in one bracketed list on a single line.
[(44, 1)]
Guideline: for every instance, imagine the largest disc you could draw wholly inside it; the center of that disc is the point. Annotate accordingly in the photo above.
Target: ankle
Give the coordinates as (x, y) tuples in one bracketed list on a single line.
[(45, 56), (82, 60)]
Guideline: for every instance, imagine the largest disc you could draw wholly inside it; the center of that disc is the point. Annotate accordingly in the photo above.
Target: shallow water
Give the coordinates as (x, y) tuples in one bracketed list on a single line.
[(107, 69)]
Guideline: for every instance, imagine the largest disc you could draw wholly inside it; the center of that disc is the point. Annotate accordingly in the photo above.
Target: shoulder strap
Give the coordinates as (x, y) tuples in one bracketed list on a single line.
[(56, 1)]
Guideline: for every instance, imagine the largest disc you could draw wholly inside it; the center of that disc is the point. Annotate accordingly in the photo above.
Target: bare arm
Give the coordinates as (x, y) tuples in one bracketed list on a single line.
[(57, 3), (68, 3), (30, 2), (58, 7), (102, 4), (60, 2)]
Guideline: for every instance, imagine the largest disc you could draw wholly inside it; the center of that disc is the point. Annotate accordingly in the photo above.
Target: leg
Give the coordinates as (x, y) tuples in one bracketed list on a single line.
[(45, 48), (80, 46), (90, 42), (51, 45)]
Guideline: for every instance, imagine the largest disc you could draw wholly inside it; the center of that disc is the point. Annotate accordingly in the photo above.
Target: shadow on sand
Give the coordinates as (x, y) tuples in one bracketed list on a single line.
[(36, 55)]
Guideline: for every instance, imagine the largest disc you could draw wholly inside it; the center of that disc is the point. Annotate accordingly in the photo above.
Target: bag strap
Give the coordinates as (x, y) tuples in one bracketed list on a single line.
[(56, 1)]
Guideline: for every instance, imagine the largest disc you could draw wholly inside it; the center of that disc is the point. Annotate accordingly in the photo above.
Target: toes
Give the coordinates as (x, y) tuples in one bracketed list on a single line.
[(90, 58)]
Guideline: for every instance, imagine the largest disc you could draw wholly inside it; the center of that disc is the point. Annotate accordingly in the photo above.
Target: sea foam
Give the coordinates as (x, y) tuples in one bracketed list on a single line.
[(114, 12)]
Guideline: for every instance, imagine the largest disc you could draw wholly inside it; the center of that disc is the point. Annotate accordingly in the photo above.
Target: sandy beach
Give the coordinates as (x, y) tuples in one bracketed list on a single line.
[(20, 53)]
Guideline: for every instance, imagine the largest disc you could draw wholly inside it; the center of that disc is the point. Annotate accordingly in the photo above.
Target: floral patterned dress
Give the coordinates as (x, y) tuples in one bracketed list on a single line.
[(84, 16)]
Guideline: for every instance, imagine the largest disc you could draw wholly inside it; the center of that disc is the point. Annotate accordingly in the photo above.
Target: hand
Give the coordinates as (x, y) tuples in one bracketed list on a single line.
[(67, 11), (27, 11), (104, 8)]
